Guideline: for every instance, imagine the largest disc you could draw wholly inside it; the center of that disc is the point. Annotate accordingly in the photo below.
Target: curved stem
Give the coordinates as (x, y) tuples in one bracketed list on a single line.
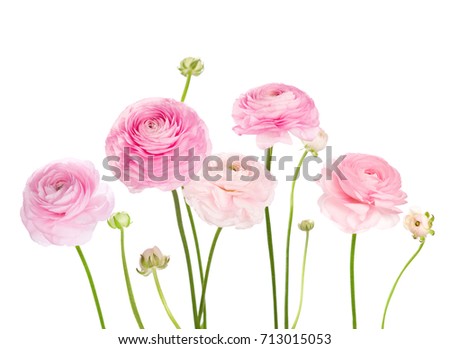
[(208, 267), (268, 163), (128, 282), (352, 280), (396, 282), (288, 240), (186, 87), (163, 299), (305, 252), (176, 202), (91, 283)]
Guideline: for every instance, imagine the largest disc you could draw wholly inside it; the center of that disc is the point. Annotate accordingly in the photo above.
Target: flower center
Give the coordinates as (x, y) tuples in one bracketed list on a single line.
[(371, 172), (417, 223), (235, 166), (58, 185), (275, 93), (152, 125)]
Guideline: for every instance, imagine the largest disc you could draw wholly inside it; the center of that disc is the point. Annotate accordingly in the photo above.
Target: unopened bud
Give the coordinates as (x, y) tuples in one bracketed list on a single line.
[(119, 220), (191, 66), (306, 225), (152, 258), (318, 143)]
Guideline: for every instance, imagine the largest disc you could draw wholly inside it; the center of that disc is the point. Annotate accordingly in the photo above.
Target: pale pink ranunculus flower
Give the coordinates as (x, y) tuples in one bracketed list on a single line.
[(63, 201), (418, 223), (151, 143), (367, 197), (273, 111), (232, 190)]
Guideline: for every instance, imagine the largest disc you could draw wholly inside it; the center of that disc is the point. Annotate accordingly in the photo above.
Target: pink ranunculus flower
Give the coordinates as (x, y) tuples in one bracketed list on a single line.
[(367, 197), (273, 111), (63, 201), (157, 143), (232, 190)]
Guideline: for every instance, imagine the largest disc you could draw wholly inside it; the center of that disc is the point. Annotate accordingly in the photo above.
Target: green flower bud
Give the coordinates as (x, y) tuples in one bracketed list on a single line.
[(306, 225), (152, 258), (192, 66), (119, 220)]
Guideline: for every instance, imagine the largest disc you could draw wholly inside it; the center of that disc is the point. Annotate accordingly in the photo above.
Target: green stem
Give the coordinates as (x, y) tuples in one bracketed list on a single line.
[(268, 158), (91, 283), (197, 245), (199, 256), (208, 267), (186, 87), (187, 255), (163, 299), (188, 208), (268, 163), (305, 252), (396, 282), (288, 239), (352, 280), (128, 282)]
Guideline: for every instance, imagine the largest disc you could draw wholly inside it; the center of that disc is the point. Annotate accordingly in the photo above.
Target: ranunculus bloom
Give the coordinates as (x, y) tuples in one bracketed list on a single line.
[(367, 197), (233, 190), (63, 202), (273, 111), (419, 224), (157, 142)]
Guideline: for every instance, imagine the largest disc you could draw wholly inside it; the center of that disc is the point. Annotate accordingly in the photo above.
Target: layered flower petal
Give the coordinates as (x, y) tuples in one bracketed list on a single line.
[(367, 196), (233, 190), (63, 201), (157, 143), (274, 111)]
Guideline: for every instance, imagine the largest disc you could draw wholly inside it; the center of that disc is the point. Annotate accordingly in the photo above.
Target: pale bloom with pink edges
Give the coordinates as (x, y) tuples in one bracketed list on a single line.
[(63, 201), (274, 111), (233, 190), (150, 133), (418, 223), (367, 197)]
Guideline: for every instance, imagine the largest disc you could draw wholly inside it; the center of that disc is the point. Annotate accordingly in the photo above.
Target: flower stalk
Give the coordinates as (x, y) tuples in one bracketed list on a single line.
[(128, 282), (352, 281), (307, 226), (201, 309), (91, 283), (268, 163), (396, 282), (187, 254), (163, 299), (288, 240)]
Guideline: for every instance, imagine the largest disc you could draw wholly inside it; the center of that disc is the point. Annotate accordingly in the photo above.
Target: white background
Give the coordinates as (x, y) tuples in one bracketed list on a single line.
[(379, 74)]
